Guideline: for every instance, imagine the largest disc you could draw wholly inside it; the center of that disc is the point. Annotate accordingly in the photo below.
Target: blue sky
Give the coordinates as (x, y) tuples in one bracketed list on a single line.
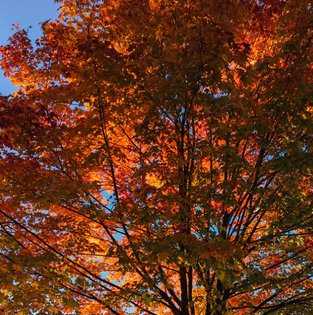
[(25, 13)]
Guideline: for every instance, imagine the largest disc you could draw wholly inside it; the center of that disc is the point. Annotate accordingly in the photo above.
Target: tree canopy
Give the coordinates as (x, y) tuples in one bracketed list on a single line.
[(157, 158)]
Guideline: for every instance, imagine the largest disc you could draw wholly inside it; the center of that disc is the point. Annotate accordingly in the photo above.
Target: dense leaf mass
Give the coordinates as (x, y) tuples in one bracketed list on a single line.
[(157, 158)]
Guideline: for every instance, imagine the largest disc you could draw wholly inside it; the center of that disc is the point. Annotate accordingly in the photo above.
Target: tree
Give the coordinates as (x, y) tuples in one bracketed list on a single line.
[(157, 159)]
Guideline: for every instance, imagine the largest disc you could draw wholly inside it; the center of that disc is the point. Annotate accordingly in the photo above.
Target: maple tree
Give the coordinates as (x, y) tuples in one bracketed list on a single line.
[(156, 158)]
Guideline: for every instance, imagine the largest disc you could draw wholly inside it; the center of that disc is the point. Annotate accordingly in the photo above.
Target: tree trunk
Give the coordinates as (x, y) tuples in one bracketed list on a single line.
[(216, 305)]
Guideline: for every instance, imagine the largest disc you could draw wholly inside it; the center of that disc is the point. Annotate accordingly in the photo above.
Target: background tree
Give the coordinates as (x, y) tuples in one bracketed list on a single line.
[(157, 159)]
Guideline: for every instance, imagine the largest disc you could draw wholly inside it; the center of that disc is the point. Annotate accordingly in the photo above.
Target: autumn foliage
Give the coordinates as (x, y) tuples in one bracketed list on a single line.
[(157, 158)]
